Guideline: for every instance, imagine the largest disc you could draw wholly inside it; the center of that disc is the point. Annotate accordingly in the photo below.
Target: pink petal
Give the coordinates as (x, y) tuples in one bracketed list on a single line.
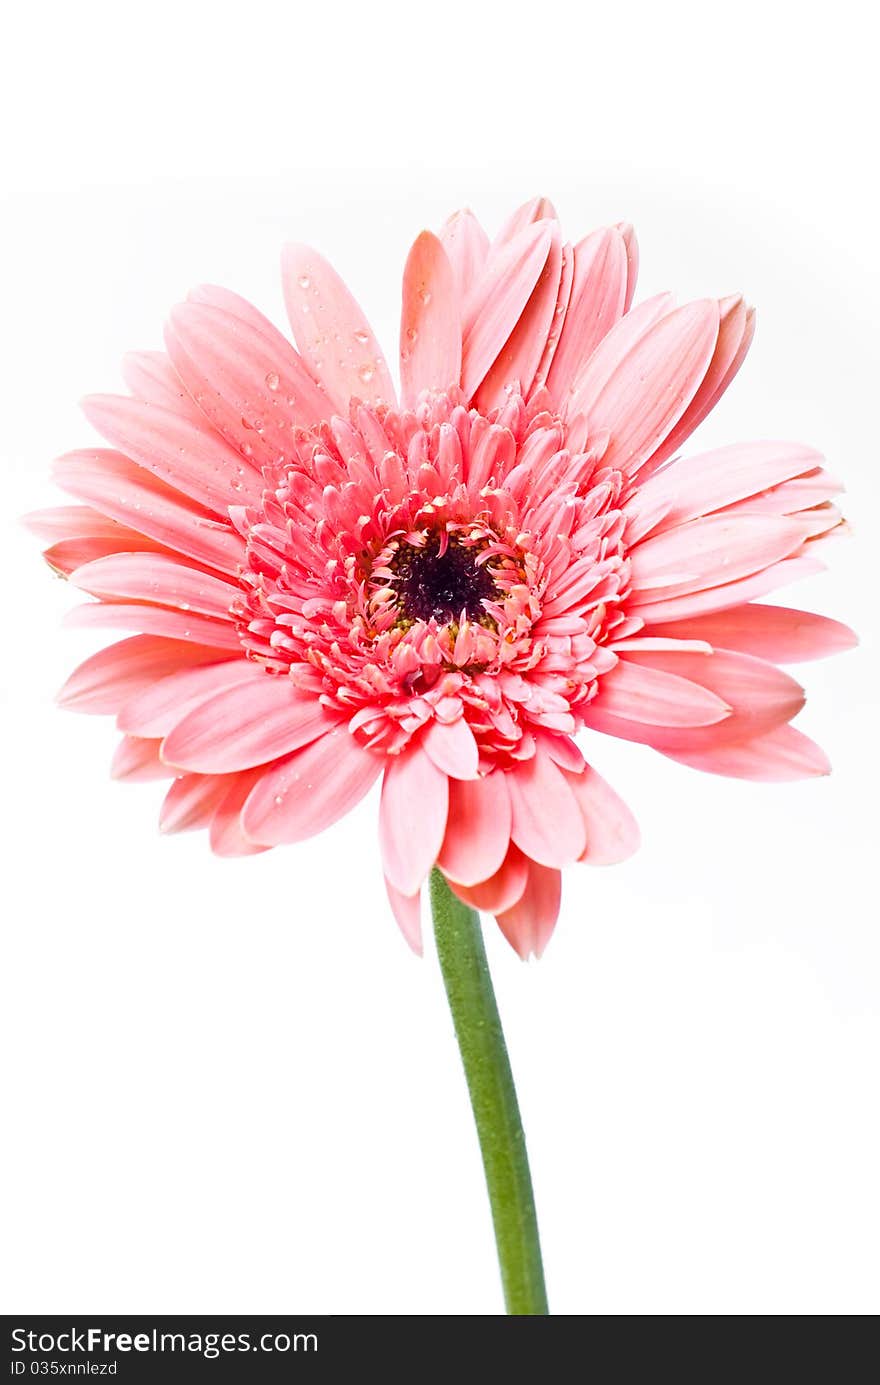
[(311, 789), (546, 824), (412, 818), (562, 751), (761, 696), (227, 834), (777, 756), (497, 300), (693, 486), (502, 890), (802, 493), (247, 379), (189, 457), (131, 495), (635, 644), (728, 594), (536, 209), (105, 681), (191, 802), (632, 261), (138, 761), (332, 333), (407, 910), (65, 557), (69, 522), (528, 925), (452, 748), (563, 298), (156, 708), (612, 831), (467, 246), (246, 725), (151, 377), (649, 390), (153, 620), (735, 332), (430, 321), (641, 693), (519, 358), (778, 633), (610, 353), (820, 522), (710, 552), (477, 829), (598, 293), (154, 578)]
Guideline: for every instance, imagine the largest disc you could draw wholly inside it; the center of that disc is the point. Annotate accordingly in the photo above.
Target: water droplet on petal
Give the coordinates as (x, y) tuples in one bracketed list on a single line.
[(366, 373), (272, 380), (425, 296), (304, 281), (362, 337)]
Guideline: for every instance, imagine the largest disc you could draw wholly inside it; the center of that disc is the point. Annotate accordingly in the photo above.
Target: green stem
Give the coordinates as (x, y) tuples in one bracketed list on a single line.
[(493, 1098)]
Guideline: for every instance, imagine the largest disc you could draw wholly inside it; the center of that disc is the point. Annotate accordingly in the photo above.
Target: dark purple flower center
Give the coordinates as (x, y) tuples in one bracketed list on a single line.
[(439, 586)]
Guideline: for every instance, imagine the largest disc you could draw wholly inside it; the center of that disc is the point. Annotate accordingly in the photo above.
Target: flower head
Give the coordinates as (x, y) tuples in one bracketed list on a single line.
[(330, 586)]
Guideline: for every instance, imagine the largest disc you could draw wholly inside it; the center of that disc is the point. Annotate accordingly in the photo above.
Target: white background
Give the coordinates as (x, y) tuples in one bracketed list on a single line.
[(230, 1087)]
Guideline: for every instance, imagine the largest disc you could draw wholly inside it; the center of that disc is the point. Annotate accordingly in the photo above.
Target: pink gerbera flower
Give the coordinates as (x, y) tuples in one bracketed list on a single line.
[(330, 586)]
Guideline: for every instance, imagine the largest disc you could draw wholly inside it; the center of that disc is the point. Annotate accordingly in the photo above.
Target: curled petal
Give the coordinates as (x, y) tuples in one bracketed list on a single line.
[(192, 801), (596, 303), (407, 910), (501, 890), (497, 300), (528, 924), (138, 760), (519, 358)]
